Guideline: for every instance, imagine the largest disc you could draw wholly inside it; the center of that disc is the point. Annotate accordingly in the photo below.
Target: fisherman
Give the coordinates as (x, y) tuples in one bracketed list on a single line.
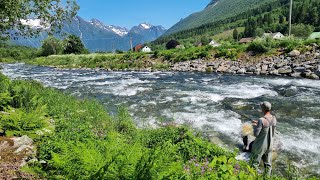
[(264, 131)]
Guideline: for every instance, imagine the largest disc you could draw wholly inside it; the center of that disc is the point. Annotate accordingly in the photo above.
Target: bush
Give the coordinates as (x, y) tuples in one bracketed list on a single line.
[(228, 53), (302, 30), (18, 122), (172, 44), (262, 45), (73, 45), (51, 46), (10, 53)]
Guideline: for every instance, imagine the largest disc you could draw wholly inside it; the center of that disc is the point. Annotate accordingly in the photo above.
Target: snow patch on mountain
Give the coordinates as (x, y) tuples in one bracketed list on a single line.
[(146, 26), (34, 23), (118, 30)]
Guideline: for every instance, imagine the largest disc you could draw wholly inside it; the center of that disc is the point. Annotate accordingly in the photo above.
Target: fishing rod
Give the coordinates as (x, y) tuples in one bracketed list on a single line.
[(227, 106)]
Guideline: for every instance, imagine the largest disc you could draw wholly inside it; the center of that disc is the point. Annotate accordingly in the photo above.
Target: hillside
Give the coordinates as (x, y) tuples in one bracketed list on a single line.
[(261, 16), (215, 11)]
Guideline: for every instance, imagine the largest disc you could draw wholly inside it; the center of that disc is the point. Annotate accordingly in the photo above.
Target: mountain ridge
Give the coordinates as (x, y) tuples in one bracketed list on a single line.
[(98, 36), (216, 10)]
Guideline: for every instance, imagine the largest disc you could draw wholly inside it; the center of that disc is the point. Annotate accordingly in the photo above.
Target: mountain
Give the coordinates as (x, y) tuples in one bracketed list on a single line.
[(116, 29), (144, 32), (96, 35), (216, 10)]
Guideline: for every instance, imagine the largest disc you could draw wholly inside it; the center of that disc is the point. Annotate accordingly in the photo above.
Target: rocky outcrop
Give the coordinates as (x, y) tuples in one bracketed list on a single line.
[(295, 64), (14, 153)]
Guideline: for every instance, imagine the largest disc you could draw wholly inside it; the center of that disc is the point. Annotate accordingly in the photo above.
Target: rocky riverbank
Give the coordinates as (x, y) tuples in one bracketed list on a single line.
[(294, 64)]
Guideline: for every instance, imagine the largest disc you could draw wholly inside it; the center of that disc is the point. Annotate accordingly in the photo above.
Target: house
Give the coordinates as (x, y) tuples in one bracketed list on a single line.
[(213, 43), (146, 49), (246, 40), (277, 35), (315, 35), (198, 44), (138, 47)]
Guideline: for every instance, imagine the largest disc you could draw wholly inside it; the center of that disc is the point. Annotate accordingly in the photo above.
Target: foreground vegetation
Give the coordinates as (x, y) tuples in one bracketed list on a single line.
[(78, 139)]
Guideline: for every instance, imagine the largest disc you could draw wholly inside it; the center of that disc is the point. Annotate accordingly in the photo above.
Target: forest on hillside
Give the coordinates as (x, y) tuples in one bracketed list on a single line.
[(271, 17)]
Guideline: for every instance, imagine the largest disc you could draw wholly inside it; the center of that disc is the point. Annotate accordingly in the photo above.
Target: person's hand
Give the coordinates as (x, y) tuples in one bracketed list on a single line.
[(254, 122)]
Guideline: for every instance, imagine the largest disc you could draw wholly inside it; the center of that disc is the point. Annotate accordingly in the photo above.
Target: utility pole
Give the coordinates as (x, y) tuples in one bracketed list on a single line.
[(131, 43), (113, 50), (290, 18)]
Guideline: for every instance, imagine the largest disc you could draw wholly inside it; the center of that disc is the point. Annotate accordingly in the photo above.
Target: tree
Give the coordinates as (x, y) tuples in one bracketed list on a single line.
[(73, 45), (235, 34), (204, 40), (172, 44), (302, 30), (51, 46), (259, 32), (282, 19), (18, 14)]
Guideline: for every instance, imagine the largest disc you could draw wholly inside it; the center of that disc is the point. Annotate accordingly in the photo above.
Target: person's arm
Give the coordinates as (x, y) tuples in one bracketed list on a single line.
[(274, 125), (258, 128)]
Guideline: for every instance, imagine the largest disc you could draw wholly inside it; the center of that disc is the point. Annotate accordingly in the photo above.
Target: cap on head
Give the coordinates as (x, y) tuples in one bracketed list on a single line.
[(266, 106)]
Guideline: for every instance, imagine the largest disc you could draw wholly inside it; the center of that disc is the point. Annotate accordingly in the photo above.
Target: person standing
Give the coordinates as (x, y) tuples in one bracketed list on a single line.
[(264, 130)]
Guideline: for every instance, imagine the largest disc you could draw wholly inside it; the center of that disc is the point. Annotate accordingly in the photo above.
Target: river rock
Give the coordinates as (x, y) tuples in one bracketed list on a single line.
[(317, 72), (241, 71), (209, 69), (21, 141), (274, 72), (223, 68), (294, 53), (299, 69), (296, 74), (264, 68), (285, 70), (313, 76)]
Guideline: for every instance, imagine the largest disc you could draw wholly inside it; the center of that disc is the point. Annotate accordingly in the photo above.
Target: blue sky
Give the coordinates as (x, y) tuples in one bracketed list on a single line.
[(128, 13)]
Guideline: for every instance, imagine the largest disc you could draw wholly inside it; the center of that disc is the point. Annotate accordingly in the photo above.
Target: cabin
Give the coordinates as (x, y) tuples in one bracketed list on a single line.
[(138, 47), (314, 35), (277, 35), (146, 49), (213, 43), (246, 40)]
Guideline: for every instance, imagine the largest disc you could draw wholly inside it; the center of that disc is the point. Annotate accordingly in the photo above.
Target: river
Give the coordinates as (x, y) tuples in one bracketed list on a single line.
[(211, 103)]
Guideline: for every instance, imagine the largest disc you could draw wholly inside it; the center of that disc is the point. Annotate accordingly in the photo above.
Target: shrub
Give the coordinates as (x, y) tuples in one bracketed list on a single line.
[(302, 30), (51, 46), (18, 122), (73, 45), (172, 44), (228, 53), (262, 45)]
